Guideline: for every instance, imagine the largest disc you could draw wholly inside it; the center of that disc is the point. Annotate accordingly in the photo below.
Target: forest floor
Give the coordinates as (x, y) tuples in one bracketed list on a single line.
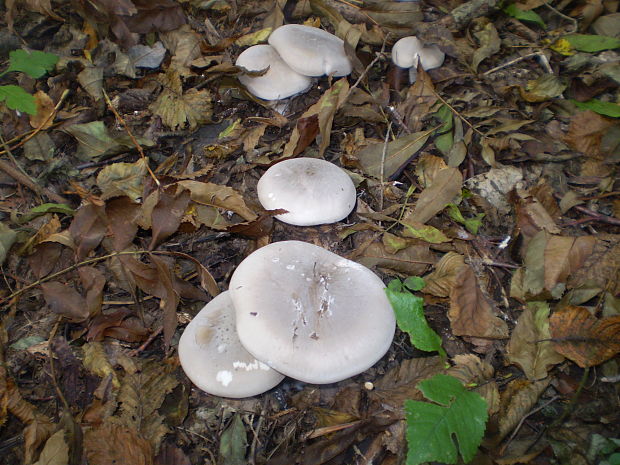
[(128, 198)]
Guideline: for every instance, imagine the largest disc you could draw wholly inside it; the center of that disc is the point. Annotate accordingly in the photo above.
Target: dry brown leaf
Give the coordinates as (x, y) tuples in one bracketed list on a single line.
[(583, 338), (529, 345), (399, 383), (445, 187), (55, 451), (564, 256), (96, 361), (87, 229), (586, 131), (516, 401), (184, 46), (441, 281), (469, 369), (532, 216), (207, 193), (44, 259), (65, 301), (122, 179), (129, 448), (489, 40), (471, 313), (45, 108), (93, 282), (40, 6), (385, 160), (427, 167), (122, 214), (602, 267), (413, 260), (167, 214)]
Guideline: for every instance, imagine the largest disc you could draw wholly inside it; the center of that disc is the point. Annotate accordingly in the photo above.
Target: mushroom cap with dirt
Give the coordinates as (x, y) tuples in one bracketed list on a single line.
[(311, 51), (214, 359), (309, 313), (279, 82), (312, 190)]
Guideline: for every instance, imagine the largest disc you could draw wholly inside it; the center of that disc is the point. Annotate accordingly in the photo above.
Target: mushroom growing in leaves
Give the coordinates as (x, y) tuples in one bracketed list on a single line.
[(313, 191), (409, 50), (214, 359), (309, 313), (279, 82), (311, 51)]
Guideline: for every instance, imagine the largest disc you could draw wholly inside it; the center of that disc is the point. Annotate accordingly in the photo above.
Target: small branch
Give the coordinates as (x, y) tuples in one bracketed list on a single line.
[(573, 21), (519, 59), (25, 180), (131, 136), (146, 343), (453, 110)]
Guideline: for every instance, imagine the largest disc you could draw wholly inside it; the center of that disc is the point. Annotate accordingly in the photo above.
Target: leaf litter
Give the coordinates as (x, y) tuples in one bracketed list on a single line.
[(493, 178)]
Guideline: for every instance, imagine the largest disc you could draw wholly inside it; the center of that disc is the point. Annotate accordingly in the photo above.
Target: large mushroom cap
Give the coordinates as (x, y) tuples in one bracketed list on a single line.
[(408, 50), (313, 191), (309, 313), (214, 359), (279, 82), (311, 51)]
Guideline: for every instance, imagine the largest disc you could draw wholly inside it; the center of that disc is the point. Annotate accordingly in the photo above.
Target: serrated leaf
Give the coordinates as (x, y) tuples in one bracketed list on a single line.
[(597, 106), (592, 43), (18, 99), (531, 16), (35, 63), (409, 311), (456, 414)]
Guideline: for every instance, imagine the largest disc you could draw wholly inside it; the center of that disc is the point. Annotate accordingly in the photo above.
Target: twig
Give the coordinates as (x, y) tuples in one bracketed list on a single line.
[(52, 369), (531, 412), (383, 155), (573, 21), (517, 60), (453, 110), (131, 136), (145, 344), (25, 180), (595, 215), (558, 421)]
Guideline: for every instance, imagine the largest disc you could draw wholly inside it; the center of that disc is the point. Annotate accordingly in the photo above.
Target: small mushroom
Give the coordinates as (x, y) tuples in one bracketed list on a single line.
[(409, 50), (311, 51), (279, 82), (313, 191), (309, 313), (214, 359)]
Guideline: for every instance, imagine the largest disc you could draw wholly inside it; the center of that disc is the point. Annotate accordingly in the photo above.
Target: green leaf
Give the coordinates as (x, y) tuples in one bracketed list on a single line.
[(414, 283), (46, 208), (431, 428), (531, 16), (409, 311), (18, 99), (35, 64), (471, 224), (445, 139), (426, 233), (592, 43), (233, 443), (602, 108)]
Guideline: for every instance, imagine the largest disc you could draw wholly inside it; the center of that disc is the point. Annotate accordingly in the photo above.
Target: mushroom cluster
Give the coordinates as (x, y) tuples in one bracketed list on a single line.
[(292, 309), (408, 51), (295, 54)]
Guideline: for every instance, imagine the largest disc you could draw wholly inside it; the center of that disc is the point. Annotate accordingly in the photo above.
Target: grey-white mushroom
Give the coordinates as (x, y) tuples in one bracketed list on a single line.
[(408, 51), (214, 359), (309, 313), (313, 191)]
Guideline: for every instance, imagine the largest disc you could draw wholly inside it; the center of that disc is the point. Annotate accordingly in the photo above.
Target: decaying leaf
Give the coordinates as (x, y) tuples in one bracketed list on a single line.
[(441, 281), (565, 255), (583, 338), (122, 179), (412, 260), (65, 300), (490, 43), (586, 131), (55, 451), (96, 361), (206, 193), (445, 187), (529, 345), (167, 214), (471, 313), (129, 446)]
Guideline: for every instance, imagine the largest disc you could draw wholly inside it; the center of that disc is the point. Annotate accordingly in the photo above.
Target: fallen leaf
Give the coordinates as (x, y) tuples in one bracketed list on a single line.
[(441, 281), (65, 301), (585, 132), (93, 282), (96, 362), (225, 197), (129, 447), (7, 239), (45, 109), (55, 451), (583, 338), (516, 401), (412, 261), (122, 179), (446, 186), (471, 313), (87, 229), (490, 43), (564, 256), (544, 88), (384, 160), (602, 267), (167, 214), (233, 443), (529, 345), (122, 214)]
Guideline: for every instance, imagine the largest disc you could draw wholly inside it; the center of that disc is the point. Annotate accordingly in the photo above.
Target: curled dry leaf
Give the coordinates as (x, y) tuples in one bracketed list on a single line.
[(207, 193), (471, 313), (441, 281), (583, 338), (45, 108), (413, 260), (529, 345)]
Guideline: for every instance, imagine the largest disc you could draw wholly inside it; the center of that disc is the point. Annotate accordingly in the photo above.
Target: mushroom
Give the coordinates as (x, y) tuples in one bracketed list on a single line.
[(409, 50), (313, 191), (309, 313), (311, 51), (279, 82), (214, 359)]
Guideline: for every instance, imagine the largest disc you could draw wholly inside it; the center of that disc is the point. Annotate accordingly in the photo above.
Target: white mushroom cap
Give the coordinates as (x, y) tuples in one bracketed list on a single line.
[(313, 191), (214, 359), (408, 50), (309, 313), (311, 51), (279, 82)]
